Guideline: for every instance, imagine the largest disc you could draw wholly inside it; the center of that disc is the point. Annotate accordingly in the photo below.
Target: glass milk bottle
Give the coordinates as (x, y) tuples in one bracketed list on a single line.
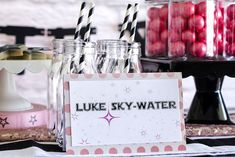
[(53, 78), (135, 64), (70, 64), (89, 51), (112, 52)]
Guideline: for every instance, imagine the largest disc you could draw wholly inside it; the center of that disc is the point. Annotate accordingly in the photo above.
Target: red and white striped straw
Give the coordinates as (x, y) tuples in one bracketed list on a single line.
[(89, 20), (125, 21), (79, 23)]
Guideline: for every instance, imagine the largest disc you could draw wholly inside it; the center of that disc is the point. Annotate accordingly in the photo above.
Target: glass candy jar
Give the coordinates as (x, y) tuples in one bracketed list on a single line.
[(156, 28), (229, 15), (191, 28)]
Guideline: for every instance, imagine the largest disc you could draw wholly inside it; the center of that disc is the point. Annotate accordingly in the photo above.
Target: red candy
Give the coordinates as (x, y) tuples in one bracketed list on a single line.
[(227, 48), (153, 12), (174, 36), (164, 35), (201, 9), (176, 9), (157, 48), (232, 49), (178, 23), (202, 35), (163, 13), (152, 36), (199, 49), (157, 30), (157, 25), (230, 31), (177, 49), (229, 36), (188, 9), (231, 11), (196, 22), (188, 36), (188, 29), (220, 48)]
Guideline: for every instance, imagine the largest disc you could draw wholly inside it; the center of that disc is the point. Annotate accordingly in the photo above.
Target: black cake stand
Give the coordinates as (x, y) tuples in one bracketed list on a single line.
[(208, 106)]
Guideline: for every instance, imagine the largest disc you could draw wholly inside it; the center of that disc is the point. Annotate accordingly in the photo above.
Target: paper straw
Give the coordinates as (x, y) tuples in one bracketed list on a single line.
[(88, 27), (127, 64), (125, 22), (134, 22), (132, 37), (79, 23)]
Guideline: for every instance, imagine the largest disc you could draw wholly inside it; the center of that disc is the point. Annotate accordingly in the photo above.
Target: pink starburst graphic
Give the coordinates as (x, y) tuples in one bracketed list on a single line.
[(109, 117)]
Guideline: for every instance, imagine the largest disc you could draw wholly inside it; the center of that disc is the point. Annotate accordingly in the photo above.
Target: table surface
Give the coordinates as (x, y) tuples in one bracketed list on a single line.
[(212, 146)]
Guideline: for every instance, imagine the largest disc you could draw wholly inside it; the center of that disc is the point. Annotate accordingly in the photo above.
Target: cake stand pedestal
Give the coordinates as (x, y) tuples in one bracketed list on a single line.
[(208, 106)]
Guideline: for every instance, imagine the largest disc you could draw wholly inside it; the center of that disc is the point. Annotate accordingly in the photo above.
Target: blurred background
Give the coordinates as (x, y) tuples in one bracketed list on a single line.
[(36, 22)]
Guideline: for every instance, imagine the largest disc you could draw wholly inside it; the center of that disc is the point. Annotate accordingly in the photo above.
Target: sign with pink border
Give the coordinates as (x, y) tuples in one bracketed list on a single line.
[(124, 114)]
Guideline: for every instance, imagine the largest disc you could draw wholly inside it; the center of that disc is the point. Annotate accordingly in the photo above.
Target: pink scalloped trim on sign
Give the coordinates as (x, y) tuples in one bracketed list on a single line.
[(127, 150), (84, 152), (170, 74), (181, 148), (140, 149), (74, 76), (154, 149), (157, 75), (68, 131), (181, 105), (102, 76), (70, 152), (88, 76), (180, 83), (143, 75), (67, 108), (168, 148), (66, 86), (130, 75), (182, 127), (99, 151), (181, 93), (113, 151), (116, 75)]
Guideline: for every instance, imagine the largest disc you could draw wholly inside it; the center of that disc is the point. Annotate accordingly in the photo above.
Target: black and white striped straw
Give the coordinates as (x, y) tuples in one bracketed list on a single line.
[(125, 22), (132, 37), (86, 36), (79, 23), (89, 20), (134, 22)]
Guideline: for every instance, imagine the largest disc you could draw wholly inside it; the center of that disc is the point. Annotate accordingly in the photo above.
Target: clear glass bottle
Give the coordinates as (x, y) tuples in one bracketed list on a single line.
[(53, 78), (191, 28), (89, 51), (157, 28), (110, 54), (70, 64), (135, 64)]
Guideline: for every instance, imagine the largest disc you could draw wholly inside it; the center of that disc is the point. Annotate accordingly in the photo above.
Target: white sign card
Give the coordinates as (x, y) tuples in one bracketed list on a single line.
[(122, 114)]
